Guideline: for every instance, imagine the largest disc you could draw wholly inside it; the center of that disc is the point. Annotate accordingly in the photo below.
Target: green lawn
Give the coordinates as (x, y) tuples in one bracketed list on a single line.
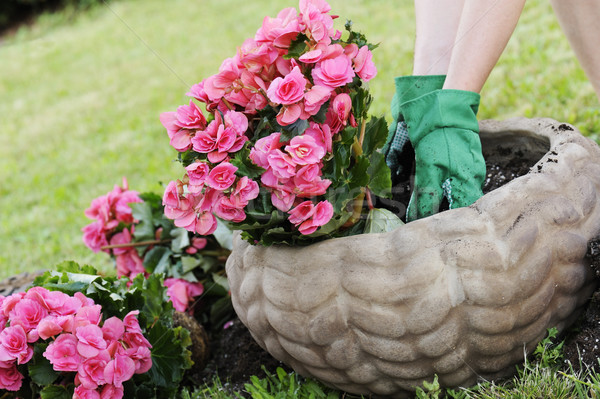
[(80, 96)]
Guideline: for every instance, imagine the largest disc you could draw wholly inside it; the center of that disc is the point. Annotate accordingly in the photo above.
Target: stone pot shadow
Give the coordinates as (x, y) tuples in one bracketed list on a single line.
[(463, 294)]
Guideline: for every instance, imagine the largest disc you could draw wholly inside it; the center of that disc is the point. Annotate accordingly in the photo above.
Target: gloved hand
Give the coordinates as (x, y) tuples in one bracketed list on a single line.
[(443, 129), (397, 157)]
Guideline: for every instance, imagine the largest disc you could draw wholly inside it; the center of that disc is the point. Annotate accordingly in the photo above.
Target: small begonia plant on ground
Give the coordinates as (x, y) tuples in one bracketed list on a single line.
[(132, 228), (75, 334), (288, 152)]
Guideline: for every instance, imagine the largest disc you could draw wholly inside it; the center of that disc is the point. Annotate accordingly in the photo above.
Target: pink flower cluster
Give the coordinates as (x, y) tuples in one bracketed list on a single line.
[(102, 354), (109, 212), (261, 75), (182, 292)]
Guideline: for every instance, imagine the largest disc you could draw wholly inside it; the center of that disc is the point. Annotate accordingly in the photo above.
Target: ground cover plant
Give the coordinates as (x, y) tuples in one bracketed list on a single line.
[(99, 81)]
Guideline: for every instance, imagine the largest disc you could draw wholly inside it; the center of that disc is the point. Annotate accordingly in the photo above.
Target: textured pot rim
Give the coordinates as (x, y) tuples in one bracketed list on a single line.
[(474, 255)]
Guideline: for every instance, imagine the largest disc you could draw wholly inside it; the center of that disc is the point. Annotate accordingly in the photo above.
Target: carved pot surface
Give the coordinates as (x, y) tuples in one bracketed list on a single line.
[(460, 294)]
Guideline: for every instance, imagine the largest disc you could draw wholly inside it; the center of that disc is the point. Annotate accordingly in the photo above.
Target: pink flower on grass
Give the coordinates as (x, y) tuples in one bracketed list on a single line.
[(62, 353), (181, 292), (14, 345), (94, 236), (222, 176), (10, 378), (280, 31), (334, 72), (304, 150)]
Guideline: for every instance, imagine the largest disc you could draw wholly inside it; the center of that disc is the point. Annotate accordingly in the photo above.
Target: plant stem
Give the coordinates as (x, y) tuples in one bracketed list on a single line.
[(136, 244)]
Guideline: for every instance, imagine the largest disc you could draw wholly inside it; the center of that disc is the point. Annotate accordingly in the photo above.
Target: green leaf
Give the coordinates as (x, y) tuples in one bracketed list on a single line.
[(40, 369), (375, 135), (181, 239), (381, 181), (157, 260), (224, 235), (297, 47), (221, 311), (189, 263), (358, 174), (57, 392), (246, 167), (169, 355), (381, 221), (154, 304), (293, 130), (221, 280)]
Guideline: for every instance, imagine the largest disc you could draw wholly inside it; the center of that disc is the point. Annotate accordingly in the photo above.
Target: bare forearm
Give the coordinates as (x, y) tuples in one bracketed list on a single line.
[(484, 30), (580, 21)]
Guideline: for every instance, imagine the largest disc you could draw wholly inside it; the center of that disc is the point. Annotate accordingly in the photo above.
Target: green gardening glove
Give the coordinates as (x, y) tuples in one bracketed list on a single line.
[(407, 88), (444, 131)]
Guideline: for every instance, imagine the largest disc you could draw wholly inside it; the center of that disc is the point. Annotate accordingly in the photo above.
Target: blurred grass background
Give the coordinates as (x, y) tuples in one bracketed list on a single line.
[(80, 96)]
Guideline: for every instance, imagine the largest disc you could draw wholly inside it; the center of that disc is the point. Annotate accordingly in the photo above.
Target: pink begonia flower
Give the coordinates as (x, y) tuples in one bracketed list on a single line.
[(217, 85), (323, 212), (89, 314), (351, 50), (315, 98), (113, 329), (94, 236), (131, 322), (10, 378), (90, 373), (256, 56), (261, 149), (312, 56), (135, 339), (363, 64), (9, 303), (303, 211), (91, 340), (121, 368), (321, 134), (222, 176), (173, 195), (129, 264), (82, 392), (305, 150), (206, 224), (282, 164), (289, 114), (227, 209), (333, 72), (84, 300), (283, 199), (197, 173), (27, 313), (49, 327), (62, 353), (14, 345), (56, 302), (197, 244), (180, 292), (280, 31), (109, 391), (317, 21), (205, 141), (197, 92), (124, 237), (289, 89), (245, 190), (142, 358)]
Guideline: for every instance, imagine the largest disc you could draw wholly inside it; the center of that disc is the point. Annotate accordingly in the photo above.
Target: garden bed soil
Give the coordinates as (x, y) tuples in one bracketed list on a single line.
[(235, 356)]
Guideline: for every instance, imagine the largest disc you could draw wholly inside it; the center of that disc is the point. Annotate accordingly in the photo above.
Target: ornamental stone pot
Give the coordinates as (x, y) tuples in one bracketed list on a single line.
[(463, 294)]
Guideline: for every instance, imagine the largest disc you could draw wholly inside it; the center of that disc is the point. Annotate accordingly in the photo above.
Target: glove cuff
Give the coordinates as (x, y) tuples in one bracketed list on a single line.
[(440, 109), (410, 87)]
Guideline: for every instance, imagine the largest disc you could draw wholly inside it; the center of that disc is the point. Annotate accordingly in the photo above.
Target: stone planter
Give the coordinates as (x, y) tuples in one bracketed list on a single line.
[(461, 294)]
